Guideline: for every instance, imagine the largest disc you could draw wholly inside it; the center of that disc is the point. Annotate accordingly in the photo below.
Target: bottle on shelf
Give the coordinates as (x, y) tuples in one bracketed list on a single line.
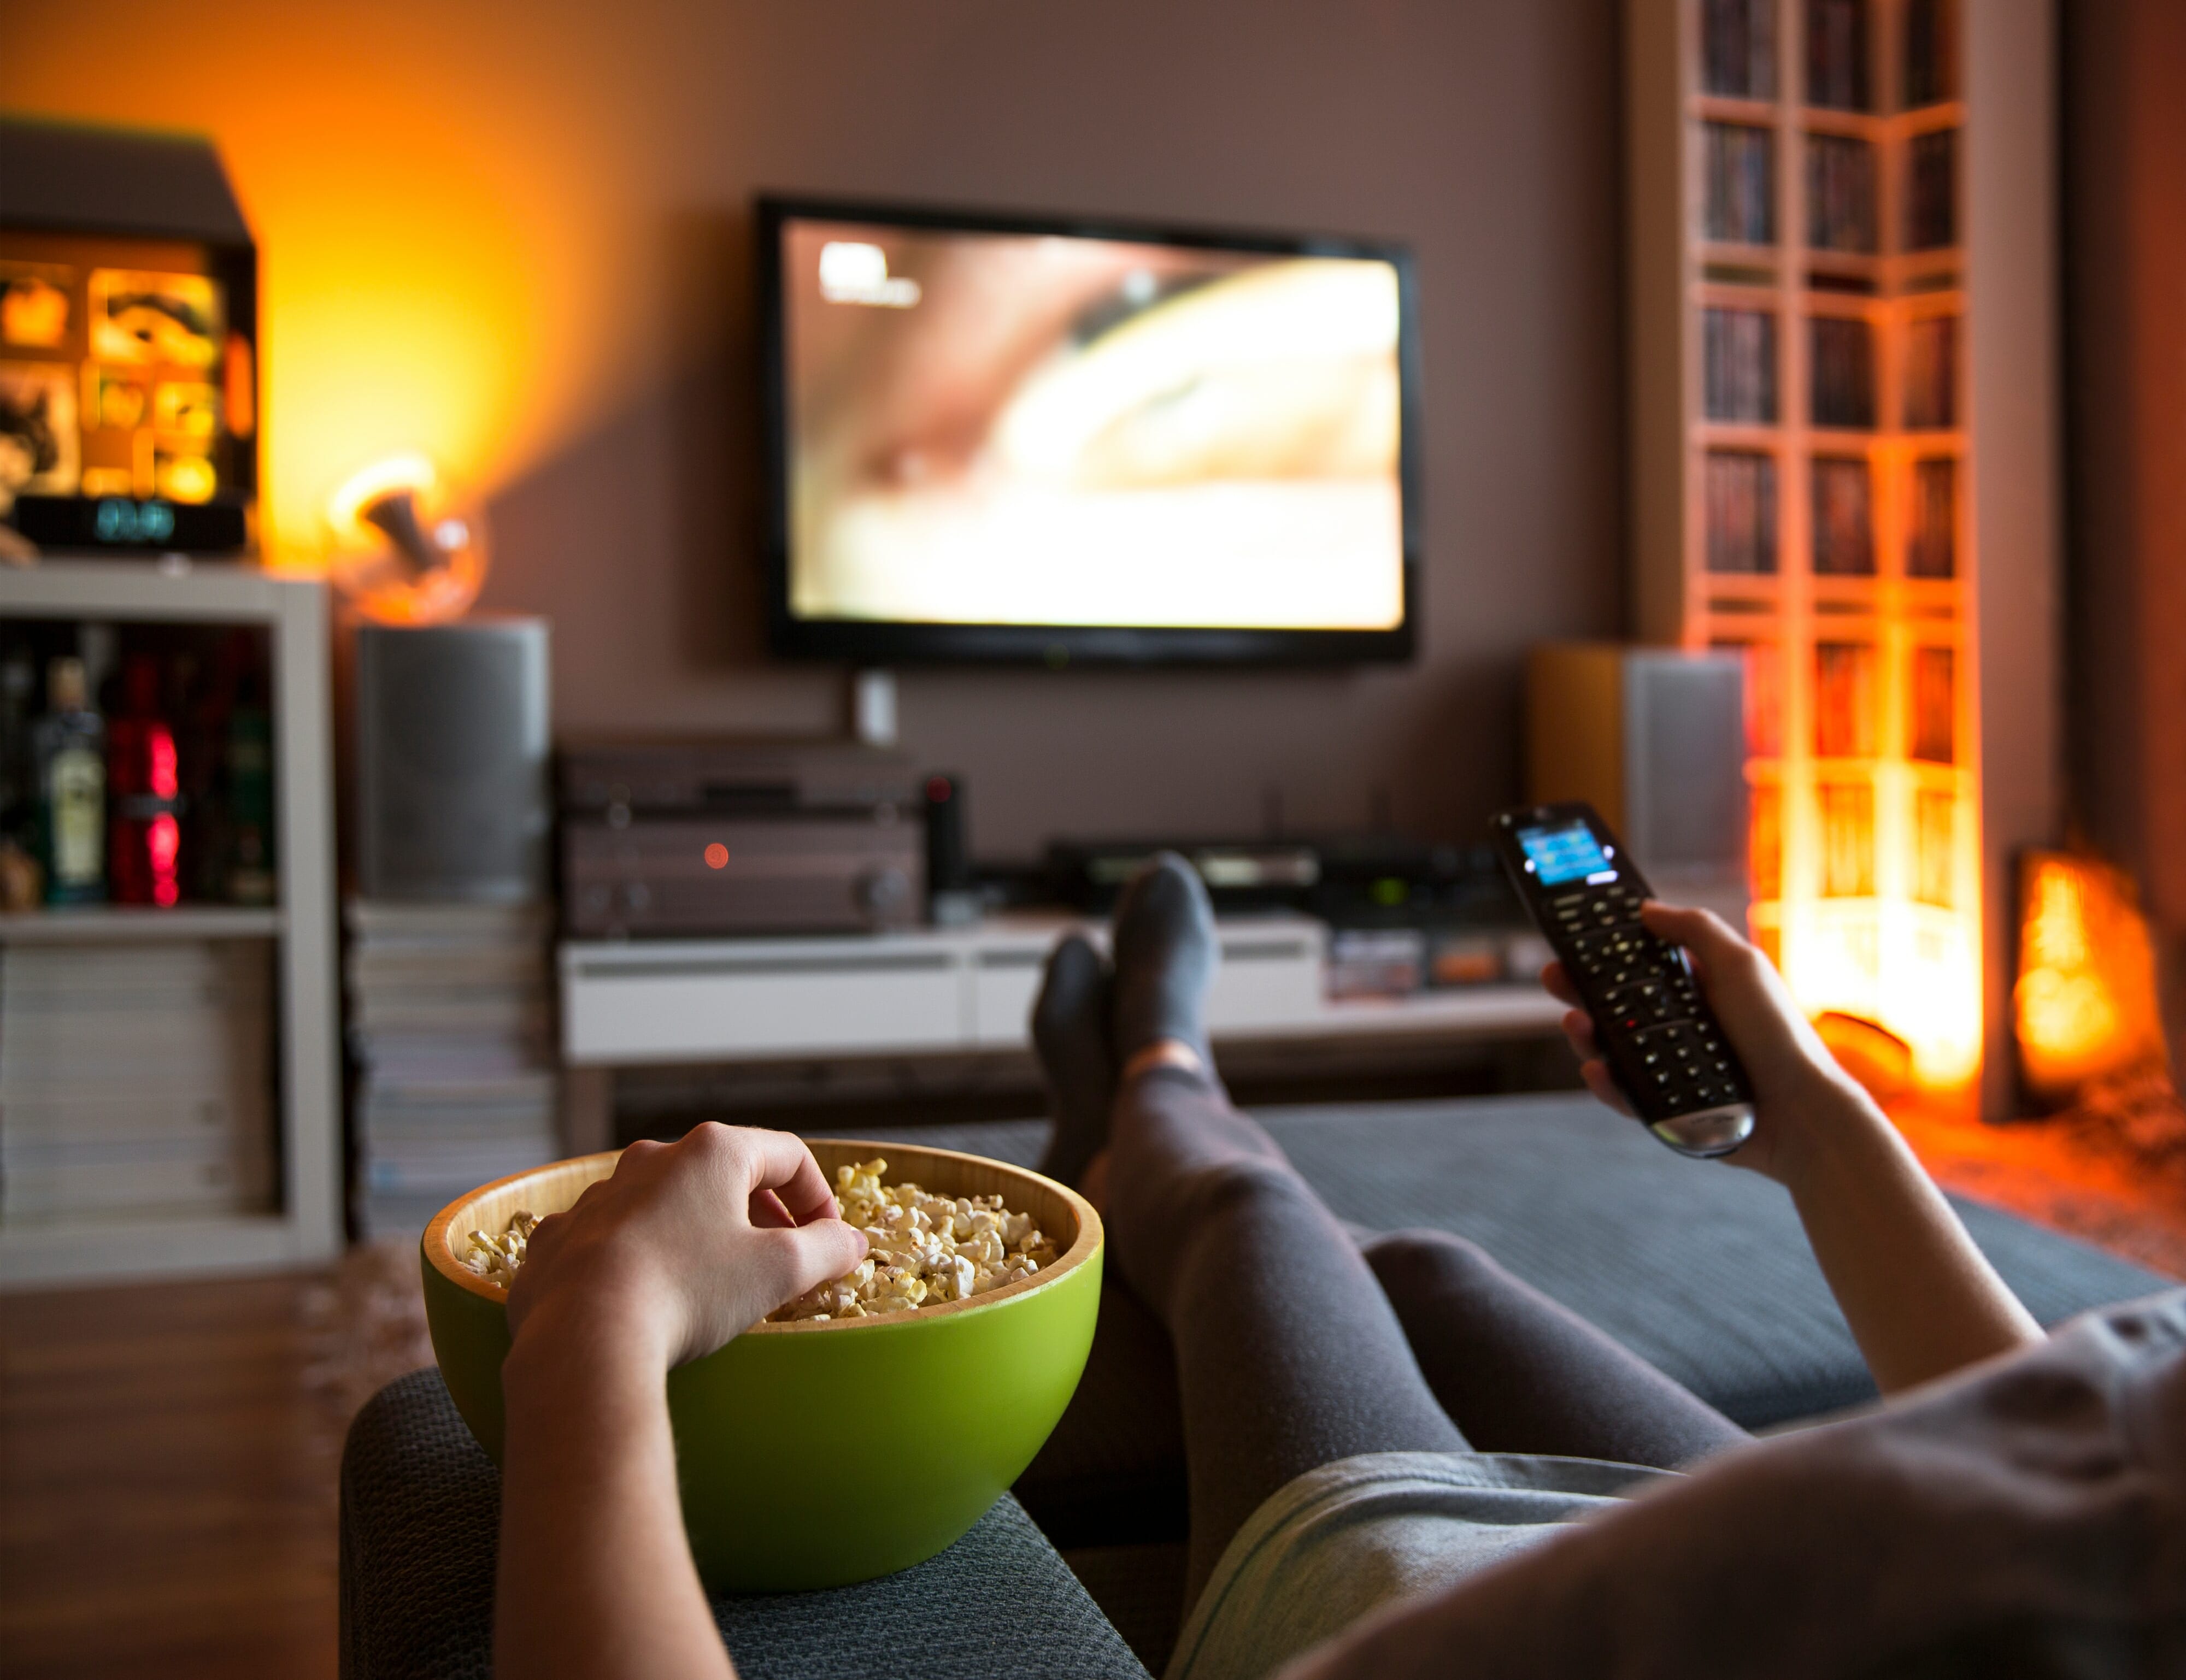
[(70, 744), (144, 786), (250, 879), (206, 695), (22, 882)]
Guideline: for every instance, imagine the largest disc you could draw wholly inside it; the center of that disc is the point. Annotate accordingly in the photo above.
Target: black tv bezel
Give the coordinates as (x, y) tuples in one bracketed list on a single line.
[(880, 642)]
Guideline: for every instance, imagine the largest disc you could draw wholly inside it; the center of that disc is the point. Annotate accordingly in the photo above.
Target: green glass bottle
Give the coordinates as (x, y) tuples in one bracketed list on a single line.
[(70, 742)]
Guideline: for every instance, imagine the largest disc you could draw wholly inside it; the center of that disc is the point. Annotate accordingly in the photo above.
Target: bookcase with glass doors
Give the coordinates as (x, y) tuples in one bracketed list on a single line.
[(1803, 266)]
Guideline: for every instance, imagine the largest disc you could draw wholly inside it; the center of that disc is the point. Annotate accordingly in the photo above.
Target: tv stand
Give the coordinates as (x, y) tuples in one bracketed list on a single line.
[(932, 995)]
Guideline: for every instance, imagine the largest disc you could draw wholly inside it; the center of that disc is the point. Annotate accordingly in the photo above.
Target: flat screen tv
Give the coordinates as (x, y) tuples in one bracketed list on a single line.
[(1010, 438)]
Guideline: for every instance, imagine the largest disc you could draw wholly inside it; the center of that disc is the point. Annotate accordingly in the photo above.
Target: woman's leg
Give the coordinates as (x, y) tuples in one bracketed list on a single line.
[(1288, 1355), (1519, 1373)]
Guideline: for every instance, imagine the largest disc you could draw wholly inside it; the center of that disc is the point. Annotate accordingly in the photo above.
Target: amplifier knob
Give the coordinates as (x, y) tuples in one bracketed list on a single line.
[(637, 895), (881, 890)]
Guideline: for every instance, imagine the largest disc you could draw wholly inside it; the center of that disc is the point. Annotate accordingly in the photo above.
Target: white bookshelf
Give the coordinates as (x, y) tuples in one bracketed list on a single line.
[(305, 1225), (132, 924)]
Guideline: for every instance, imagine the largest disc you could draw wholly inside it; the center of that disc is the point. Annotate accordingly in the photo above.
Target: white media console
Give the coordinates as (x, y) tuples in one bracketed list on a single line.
[(951, 991)]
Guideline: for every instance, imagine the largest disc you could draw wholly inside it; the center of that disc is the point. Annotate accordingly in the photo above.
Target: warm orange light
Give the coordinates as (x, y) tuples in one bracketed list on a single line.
[(717, 856), (397, 551), (409, 471), (2085, 1005), (1865, 754)]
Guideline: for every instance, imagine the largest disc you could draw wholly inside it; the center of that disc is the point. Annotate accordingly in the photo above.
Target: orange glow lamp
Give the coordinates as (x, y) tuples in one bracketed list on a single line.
[(400, 549)]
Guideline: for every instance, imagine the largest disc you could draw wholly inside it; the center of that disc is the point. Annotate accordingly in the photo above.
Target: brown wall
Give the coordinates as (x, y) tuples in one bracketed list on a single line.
[(2124, 274), (2125, 355), (578, 175)]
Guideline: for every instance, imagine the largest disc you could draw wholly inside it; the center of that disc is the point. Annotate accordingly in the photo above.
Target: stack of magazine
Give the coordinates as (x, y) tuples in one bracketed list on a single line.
[(450, 1031), (136, 1079)]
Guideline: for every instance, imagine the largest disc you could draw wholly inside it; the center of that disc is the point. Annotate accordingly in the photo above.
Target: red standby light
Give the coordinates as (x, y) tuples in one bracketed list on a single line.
[(717, 856)]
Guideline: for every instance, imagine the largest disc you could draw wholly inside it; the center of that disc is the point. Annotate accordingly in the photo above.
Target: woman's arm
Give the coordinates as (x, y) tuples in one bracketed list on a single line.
[(1922, 1301), (596, 1575), (688, 1244)]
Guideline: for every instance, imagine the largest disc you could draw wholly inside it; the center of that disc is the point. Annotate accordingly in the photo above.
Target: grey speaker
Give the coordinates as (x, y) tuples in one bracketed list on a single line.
[(1655, 739), (453, 790)]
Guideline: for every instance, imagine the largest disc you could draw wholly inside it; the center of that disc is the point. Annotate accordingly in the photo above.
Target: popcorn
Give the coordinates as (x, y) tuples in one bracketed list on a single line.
[(926, 1249), (496, 1259)]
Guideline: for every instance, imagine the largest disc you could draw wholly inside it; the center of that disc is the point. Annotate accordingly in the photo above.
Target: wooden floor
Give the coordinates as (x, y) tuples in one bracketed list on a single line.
[(168, 1453), (2112, 1172), (168, 1457), (166, 1493)]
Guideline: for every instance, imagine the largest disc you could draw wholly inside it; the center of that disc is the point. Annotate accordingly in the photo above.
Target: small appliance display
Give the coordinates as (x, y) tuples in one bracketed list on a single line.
[(129, 412), (666, 838)]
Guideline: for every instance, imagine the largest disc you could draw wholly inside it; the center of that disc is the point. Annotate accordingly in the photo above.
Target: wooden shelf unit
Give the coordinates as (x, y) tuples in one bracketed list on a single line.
[(305, 1226), (1866, 692)]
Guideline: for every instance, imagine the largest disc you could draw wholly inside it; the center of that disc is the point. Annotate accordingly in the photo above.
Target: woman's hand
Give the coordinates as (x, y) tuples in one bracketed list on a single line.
[(688, 1244), (1798, 1088), (1921, 1300)]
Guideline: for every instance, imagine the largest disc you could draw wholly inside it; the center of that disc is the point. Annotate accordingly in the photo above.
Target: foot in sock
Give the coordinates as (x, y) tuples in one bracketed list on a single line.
[(1070, 1031), (1165, 952)]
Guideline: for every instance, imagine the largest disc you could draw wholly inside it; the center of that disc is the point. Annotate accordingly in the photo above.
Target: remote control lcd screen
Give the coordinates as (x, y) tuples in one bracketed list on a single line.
[(1568, 852)]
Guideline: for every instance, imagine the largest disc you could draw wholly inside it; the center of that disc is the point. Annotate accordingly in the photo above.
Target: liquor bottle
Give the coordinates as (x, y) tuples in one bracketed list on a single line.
[(18, 774), (206, 701), (250, 879), (69, 743), (22, 884), (144, 789)]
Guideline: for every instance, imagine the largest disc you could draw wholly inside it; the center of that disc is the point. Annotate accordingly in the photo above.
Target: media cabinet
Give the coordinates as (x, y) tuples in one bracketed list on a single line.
[(954, 992)]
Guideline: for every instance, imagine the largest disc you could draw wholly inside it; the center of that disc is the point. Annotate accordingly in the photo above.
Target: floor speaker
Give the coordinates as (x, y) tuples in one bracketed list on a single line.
[(452, 796), (1655, 739)]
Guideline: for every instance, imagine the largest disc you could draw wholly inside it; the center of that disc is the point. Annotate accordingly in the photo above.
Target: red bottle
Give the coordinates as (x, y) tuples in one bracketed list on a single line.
[(143, 795)]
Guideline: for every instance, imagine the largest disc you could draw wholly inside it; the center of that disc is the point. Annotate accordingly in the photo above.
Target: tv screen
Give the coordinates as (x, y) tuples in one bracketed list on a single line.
[(998, 437)]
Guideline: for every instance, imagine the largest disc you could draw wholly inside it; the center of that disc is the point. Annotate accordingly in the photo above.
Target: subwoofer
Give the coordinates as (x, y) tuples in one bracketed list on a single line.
[(1654, 738), (452, 788)]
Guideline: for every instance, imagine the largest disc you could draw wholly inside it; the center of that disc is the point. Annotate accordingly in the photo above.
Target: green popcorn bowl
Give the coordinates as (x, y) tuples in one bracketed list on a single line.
[(824, 1453)]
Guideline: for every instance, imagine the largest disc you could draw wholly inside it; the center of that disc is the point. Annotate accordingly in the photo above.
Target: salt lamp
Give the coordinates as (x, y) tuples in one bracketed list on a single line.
[(2085, 1005)]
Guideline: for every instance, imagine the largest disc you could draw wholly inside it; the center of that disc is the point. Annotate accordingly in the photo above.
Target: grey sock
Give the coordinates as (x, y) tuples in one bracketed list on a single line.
[(1165, 952), (1070, 1031)]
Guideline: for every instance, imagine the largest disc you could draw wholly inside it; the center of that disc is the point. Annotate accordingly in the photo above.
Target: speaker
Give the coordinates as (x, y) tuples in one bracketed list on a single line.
[(951, 898), (453, 796), (1654, 738)]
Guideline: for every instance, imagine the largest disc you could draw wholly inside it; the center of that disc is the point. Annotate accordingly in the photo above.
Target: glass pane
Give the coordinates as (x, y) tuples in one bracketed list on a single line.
[(1741, 510), (1843, 520), (1738, 48), (1738, 348), (1844, 700), (1847, 839)]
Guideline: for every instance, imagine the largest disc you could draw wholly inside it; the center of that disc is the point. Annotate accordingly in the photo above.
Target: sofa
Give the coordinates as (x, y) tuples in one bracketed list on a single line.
[(1700, 1268)]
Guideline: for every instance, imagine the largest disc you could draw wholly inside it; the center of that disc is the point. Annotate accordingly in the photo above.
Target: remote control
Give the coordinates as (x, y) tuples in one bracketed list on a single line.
[(1655, 1030)]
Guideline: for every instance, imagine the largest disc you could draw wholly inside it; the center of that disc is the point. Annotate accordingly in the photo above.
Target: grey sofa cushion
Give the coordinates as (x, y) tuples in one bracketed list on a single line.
[(1697, 1267), (420, 1508), (1701, 1268)]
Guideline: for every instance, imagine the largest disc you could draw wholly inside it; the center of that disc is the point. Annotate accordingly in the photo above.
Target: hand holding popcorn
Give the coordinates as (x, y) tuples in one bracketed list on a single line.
[(688, 1244)]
